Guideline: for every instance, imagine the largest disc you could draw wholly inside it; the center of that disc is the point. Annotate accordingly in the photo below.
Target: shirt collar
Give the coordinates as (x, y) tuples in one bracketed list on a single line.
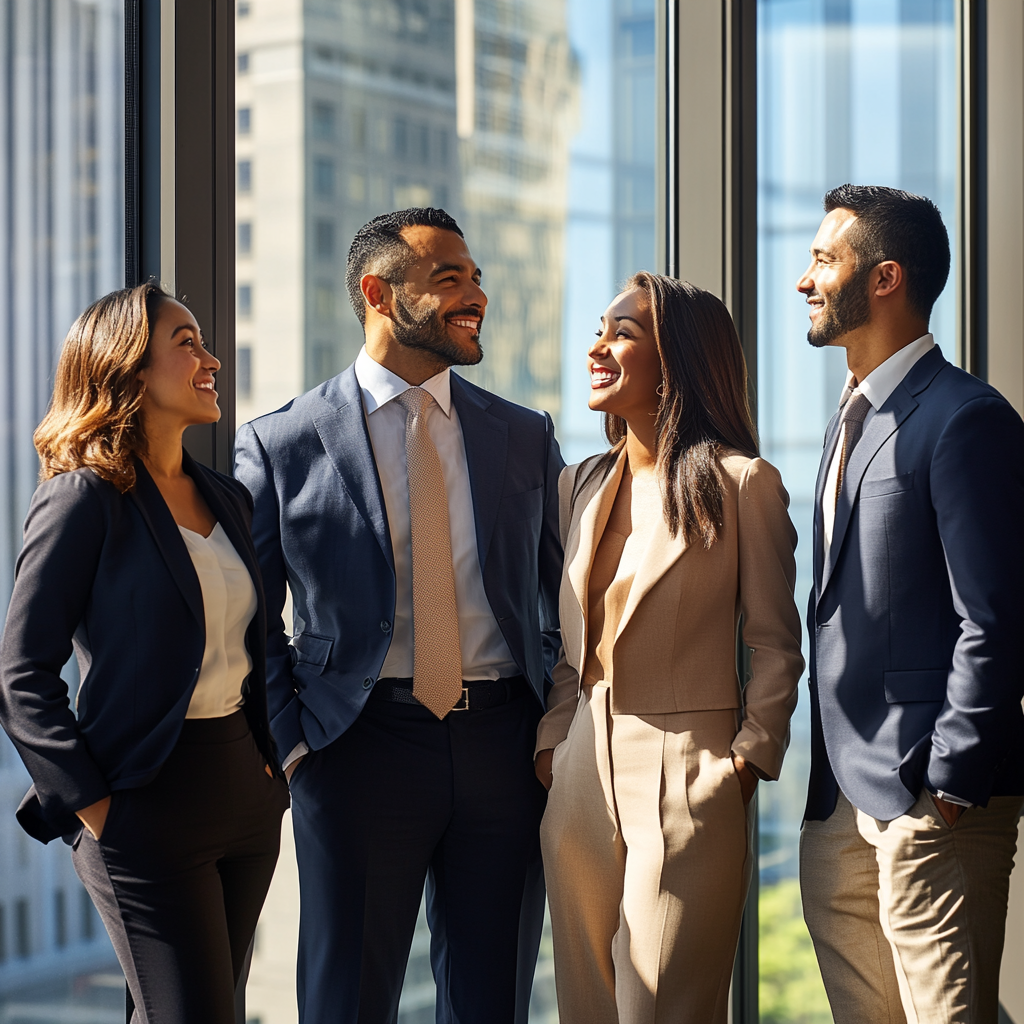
[(884, 379), (379, 385)]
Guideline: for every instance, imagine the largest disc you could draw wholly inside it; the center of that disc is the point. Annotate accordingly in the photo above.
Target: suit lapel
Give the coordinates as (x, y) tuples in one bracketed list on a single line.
[(227, 515), (662, 552), (900, 404), (157, 517), (341, 424), (485, 438), (581, 544)]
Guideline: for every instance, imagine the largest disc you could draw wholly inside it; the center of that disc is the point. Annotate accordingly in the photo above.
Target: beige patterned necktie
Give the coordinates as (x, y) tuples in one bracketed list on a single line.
[(437, 656)]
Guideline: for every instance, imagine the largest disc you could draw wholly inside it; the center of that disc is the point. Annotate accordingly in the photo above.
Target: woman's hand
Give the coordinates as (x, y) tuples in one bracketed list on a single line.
[(94, 817), (748, 780), (542, 766)]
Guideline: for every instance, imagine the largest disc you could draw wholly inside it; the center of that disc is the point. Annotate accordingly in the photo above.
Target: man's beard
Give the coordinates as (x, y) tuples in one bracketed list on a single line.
[(844, 311), (430, 333)]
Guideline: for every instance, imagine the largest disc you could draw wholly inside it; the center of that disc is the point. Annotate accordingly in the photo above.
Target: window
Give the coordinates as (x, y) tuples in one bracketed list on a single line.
[(556, 195), (244, 120), (22, 928), (863, 91), (60, 918), (244, 8), (243, 63), (323, 176), (243, 371), (244, 301), (244, 176), (244, 238), (323, 120), (323, 239)]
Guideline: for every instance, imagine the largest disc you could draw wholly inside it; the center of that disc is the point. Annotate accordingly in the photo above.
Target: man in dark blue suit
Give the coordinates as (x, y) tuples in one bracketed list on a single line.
[(414, 517), (916, 680)]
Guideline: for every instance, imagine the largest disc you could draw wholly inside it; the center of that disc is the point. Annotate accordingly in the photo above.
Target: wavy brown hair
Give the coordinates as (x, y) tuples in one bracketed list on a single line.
[(93, 419), (703, 409)]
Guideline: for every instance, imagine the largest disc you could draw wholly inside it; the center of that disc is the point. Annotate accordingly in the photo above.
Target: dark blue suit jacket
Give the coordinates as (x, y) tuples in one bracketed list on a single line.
[(109, 574), (915, 620), (320, 526)]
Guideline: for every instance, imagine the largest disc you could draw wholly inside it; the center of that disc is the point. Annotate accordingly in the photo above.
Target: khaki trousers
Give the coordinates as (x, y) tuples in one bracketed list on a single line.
[(646, 847), (907, 916)]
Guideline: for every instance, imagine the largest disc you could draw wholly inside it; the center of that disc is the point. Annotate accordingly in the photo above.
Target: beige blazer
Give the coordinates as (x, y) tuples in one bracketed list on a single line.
[(675, 649)]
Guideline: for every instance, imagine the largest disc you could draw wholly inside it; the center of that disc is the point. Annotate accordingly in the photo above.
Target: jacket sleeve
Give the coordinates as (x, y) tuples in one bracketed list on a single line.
[(554, 726), (64, 536), (253, 469), (771, 622), (977, 491), (550, 553)]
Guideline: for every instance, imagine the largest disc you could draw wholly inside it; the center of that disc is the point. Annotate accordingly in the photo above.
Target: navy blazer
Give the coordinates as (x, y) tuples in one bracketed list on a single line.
[(109, 575), (915, 619), (320, 526)]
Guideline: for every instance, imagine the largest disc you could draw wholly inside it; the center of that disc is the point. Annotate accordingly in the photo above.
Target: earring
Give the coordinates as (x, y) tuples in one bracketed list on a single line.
[(660, 390)]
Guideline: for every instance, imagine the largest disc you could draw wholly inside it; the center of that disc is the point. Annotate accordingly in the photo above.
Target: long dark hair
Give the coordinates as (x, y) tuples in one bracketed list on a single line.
[(703, 408)]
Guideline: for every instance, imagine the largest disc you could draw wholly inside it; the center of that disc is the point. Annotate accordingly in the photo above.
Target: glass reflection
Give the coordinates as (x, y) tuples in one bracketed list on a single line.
[(533, 123), (62, 220), (848, 90)]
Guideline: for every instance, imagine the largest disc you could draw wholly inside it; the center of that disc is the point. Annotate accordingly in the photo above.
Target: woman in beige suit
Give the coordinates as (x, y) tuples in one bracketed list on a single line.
[(651, 753)]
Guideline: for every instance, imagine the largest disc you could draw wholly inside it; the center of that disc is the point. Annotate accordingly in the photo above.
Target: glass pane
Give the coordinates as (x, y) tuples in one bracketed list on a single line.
[(848, 90), (536, 131), (62, 225)]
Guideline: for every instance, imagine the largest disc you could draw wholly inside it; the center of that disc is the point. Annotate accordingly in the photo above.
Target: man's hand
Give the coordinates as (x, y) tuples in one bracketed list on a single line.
[(542, 766), (290, 770), (950, 812), (94, 817), (748, 780)]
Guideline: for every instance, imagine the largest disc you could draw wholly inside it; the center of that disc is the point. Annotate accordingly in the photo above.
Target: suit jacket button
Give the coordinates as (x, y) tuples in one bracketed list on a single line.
[(385, 626), (367, 682)]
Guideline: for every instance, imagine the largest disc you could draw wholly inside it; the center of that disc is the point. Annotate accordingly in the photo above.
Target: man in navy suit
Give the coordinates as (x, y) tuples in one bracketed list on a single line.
[(414, 518), (916, 680)]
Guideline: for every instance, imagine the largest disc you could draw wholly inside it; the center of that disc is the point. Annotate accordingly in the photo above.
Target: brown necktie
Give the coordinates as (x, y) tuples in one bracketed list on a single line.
[(854, 411), (437, 656)]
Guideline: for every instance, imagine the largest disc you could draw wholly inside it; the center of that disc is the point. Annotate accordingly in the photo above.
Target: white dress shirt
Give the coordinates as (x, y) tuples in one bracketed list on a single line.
[(485, 655), (229, 603)]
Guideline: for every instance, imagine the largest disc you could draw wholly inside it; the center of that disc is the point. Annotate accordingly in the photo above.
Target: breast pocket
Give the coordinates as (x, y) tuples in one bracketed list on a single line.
[(523, 505), (887, 485)]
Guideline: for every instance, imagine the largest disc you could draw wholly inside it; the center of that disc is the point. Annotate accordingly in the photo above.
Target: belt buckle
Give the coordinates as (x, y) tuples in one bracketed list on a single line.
[(462, 704)]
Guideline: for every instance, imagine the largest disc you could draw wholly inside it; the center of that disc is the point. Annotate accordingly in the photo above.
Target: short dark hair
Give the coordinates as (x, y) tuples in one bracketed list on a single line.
[(902, 227), (379, 248)]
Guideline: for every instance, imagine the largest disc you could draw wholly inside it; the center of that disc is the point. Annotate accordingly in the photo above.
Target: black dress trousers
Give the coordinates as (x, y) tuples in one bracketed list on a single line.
[(182, 868), (399, 800)]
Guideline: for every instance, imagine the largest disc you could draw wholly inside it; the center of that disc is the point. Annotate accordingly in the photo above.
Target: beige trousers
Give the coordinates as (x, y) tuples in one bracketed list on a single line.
[(647, 858), (907, 916)]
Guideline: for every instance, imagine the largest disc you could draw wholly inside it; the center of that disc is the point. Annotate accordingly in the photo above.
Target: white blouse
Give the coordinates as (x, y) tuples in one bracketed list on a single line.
[(229, 601)]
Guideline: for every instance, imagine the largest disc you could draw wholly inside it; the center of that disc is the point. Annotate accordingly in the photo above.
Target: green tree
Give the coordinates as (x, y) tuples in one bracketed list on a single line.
[(790, 989)]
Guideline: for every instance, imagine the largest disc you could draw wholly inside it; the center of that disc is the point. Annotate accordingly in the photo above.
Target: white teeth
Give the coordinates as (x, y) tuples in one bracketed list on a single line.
[(602, 377), (206, 385), (466, 323)]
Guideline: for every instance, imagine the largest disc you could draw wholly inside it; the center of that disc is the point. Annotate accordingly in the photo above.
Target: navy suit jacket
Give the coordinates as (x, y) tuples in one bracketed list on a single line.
[(915, 619), (109, 575), (320, 526)]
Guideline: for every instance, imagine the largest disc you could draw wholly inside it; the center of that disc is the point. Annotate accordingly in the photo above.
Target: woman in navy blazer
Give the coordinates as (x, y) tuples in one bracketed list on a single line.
[(164, 777)]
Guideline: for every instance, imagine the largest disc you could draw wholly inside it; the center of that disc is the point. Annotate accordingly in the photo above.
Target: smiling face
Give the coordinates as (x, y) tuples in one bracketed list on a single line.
[(624, 364), (178, 375), (439, 307), (837, 292)]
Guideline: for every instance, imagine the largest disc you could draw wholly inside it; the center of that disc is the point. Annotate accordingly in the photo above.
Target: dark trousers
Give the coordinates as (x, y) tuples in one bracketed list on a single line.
[(398, 799), (181, 870)]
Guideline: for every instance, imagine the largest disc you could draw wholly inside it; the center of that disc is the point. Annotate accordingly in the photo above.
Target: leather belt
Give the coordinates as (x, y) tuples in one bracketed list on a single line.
[(476, 694)]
